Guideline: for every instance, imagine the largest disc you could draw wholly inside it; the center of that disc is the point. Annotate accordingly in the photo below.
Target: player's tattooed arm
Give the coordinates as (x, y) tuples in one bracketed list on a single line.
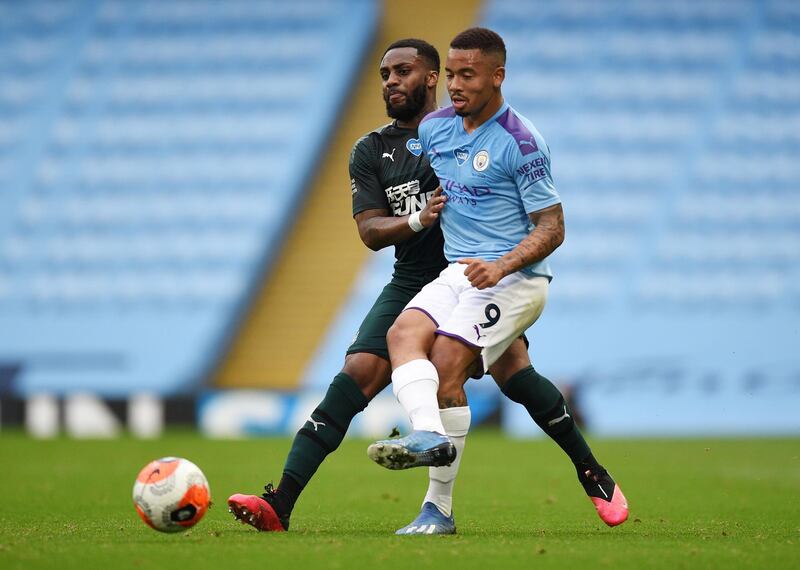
[(541, 242), (378, 228)]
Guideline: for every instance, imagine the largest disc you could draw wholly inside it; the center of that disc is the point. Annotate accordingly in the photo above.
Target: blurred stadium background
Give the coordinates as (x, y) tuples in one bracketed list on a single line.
[(176, 243)]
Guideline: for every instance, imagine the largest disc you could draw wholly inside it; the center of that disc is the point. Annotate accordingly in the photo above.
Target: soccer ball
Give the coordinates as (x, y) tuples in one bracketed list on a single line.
[(171, 494)]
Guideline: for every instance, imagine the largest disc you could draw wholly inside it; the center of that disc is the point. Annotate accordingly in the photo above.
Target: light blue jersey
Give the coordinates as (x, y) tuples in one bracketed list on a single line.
[(493, 179)]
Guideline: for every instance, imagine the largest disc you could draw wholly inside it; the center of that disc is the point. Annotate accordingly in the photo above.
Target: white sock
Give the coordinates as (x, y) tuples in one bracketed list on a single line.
[(415, 384), (442, 479)]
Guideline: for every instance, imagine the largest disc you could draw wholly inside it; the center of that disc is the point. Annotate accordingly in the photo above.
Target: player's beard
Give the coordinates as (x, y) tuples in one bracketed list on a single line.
[(415, 102)]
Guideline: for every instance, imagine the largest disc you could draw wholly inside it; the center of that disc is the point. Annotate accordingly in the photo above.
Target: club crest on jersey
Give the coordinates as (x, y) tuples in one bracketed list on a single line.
[(462, 155), (481, 161), (414, 146)]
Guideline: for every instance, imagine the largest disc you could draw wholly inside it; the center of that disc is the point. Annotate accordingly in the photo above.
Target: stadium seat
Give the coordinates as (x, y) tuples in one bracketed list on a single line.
[(150, 155)]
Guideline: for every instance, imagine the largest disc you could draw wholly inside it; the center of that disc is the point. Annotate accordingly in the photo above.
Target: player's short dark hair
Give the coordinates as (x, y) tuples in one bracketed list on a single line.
[(484, 39), (424, 50)]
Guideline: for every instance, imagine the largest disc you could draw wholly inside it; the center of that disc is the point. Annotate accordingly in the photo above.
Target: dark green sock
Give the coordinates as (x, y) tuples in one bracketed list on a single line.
[(317, 438), (548, 409)]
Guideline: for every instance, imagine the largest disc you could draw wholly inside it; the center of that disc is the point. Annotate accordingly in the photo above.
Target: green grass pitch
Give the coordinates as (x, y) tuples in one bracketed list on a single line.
[(694, 504)]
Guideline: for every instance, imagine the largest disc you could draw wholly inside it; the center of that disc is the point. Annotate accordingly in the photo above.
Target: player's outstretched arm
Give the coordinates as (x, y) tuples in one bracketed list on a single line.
[(541, 242), (378, 228)]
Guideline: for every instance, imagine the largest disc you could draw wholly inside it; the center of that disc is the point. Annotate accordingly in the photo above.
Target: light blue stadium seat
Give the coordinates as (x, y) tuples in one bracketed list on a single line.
[(151, 154)]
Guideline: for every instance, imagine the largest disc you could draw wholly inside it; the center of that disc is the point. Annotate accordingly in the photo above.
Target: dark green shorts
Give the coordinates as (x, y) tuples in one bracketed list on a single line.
[(371, 335)]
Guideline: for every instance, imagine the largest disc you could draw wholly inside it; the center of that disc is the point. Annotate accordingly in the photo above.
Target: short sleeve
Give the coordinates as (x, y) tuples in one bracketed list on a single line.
[(423, 133), (366, 188), (531, 173)]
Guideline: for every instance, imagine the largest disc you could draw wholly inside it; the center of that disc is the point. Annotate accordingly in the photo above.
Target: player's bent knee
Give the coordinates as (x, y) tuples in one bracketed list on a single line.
[(395, 335), (411, 330), (370, 372), (501, 372), (513, 360)]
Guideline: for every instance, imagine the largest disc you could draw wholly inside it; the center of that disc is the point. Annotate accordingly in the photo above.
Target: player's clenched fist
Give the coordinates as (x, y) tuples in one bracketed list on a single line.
[(430, 213), (482, 274)]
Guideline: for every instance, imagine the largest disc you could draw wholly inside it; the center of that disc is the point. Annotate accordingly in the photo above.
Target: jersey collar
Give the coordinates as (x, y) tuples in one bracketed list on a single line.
[(503, 108)]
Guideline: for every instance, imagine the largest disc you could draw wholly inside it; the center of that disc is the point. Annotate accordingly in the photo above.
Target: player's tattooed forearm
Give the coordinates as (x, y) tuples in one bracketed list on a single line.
[(541, 243), (544, 240)]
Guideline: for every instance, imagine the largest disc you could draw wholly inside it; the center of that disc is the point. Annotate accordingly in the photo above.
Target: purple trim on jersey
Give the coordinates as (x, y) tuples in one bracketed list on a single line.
[(459, 338), (443, 113), (517, 129), (423, 311)]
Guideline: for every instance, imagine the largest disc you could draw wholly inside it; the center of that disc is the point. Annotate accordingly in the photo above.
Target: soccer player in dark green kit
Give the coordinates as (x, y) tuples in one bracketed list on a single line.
[(396, 201)]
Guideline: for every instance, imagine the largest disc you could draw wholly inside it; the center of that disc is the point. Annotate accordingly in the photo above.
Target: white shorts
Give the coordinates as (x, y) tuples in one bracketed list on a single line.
[(487, 319)]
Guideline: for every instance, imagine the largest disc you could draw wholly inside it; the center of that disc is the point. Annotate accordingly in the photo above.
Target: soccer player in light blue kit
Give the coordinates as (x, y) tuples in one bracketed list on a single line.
[(501, 220)]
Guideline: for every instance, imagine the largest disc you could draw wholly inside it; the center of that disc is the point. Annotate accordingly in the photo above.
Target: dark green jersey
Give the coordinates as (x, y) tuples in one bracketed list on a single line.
[(389, 171)]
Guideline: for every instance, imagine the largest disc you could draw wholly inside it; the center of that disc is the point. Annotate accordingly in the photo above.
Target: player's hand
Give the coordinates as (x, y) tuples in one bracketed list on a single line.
[(430, 213), (482, 274)]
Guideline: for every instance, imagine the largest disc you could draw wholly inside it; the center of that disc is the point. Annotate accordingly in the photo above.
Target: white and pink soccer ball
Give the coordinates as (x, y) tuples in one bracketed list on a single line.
[(171, 494)]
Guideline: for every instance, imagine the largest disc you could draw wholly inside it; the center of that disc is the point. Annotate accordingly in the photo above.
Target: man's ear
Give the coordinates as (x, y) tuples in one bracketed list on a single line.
[(498, 76)]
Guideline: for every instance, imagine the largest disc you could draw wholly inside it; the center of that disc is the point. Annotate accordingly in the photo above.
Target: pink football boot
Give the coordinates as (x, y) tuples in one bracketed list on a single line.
[(258, 512), (611, 504)]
